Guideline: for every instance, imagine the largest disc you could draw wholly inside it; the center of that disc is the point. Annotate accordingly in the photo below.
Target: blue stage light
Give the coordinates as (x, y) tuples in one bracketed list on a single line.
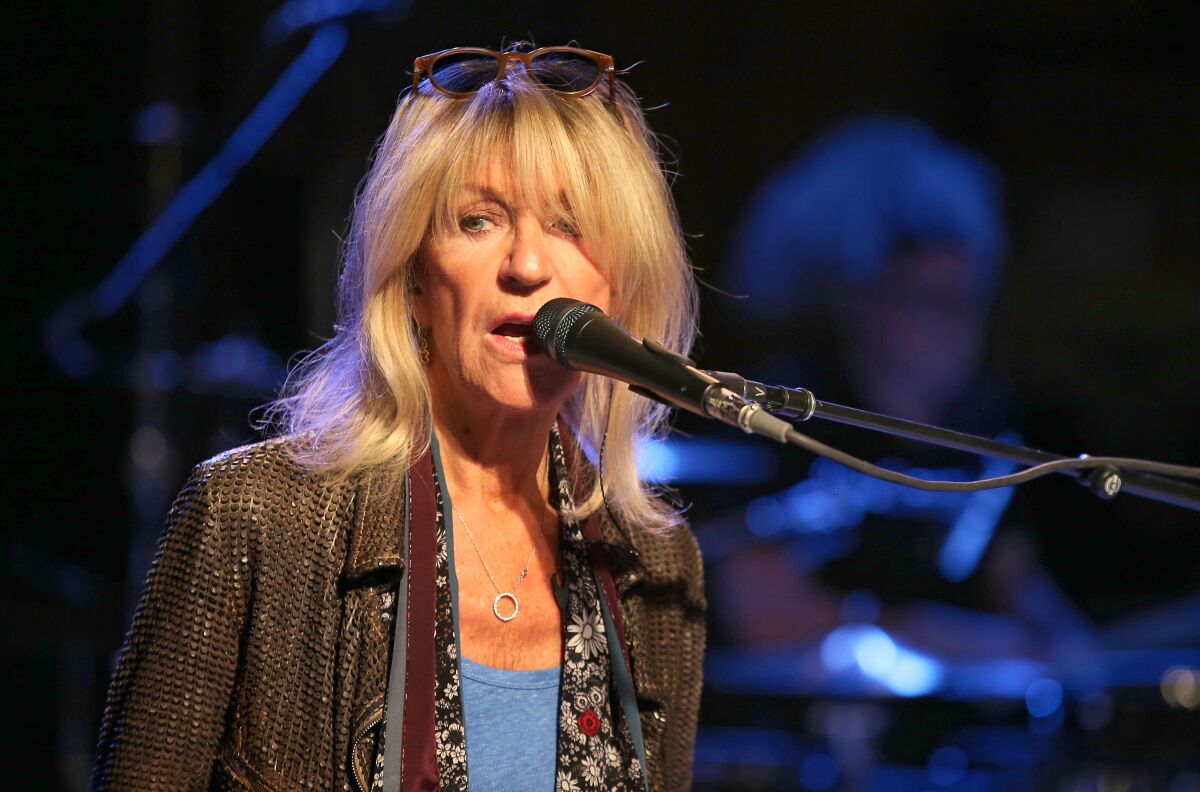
[(913, 675), (947, 765), (1043, 698), (697, 460), (873, 653), (766, 516)]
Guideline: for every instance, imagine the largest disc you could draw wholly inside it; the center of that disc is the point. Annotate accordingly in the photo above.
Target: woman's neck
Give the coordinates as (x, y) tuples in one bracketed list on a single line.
[(499, 461)]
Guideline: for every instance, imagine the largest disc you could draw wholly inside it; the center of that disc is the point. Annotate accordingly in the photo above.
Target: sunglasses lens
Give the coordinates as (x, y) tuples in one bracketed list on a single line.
[(565, 71), (464, 72)]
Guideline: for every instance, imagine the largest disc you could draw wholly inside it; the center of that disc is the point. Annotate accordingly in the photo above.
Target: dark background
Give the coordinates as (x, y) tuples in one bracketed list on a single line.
[(1090, 112)]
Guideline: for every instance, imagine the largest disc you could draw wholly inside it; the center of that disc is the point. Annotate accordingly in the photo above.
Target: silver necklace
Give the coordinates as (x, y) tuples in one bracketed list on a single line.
[(503, 595)]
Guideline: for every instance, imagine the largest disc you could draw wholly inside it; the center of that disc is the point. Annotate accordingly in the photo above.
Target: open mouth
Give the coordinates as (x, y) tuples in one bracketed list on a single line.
[(521, 333)]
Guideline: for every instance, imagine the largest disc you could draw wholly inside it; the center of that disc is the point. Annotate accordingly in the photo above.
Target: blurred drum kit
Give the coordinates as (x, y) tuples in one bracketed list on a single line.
[(864, 708)]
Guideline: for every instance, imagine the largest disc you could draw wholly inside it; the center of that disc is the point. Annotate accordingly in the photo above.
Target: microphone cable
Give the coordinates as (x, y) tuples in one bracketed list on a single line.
[(1020, 477)]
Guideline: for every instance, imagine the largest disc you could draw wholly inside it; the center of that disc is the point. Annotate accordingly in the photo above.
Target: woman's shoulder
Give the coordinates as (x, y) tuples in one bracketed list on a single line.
[(266, 476), (257, 466), (668, 557), (262, 502)]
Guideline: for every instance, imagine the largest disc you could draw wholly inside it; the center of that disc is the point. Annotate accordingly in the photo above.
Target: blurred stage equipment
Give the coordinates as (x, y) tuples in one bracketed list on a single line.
[(865, 692), (76, 357), (237, 365)]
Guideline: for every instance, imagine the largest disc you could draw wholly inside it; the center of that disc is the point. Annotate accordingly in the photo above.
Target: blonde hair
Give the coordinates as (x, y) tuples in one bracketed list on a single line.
[(363, 398)]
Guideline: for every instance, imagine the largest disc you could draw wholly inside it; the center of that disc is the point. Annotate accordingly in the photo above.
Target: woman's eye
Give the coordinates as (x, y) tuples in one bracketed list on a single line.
[(566, 227), (475, 224)]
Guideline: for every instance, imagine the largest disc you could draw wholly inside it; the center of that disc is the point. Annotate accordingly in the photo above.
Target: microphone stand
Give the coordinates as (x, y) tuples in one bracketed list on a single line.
[(799, 404)]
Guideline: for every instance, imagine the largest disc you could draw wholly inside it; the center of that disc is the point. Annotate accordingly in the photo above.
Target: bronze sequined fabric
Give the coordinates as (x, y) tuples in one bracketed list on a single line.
[(258, 656)]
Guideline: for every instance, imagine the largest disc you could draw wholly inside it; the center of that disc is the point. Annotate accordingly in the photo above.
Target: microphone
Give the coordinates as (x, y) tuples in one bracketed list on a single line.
[(580, 337)]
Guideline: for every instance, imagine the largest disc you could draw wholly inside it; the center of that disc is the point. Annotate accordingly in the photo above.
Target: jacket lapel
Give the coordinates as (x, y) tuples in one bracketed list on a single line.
[(374, 562), (375, 535)]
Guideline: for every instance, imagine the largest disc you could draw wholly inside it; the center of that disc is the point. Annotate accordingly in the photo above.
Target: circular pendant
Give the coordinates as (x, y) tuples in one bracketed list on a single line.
[(500, 598)]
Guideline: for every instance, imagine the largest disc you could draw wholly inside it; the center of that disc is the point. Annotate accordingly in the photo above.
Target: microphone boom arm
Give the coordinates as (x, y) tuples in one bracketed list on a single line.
[(580, 337), (1104, 480)]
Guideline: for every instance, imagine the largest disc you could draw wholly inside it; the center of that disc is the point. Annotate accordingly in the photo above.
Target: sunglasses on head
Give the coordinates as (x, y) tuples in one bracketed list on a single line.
[(462, 71)]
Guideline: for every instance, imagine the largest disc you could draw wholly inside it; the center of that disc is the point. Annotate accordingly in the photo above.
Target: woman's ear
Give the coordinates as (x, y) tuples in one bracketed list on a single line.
[(416, 291)]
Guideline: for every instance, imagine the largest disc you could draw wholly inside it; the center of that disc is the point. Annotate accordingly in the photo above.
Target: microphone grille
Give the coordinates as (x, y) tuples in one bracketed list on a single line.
[(554, 321)]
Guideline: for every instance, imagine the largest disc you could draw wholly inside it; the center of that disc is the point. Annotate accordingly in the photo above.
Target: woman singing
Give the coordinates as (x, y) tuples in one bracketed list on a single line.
[(444, 571)]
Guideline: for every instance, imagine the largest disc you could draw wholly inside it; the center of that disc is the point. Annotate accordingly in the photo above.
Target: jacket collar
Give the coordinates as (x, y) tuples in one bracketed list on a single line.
[(377, 524)]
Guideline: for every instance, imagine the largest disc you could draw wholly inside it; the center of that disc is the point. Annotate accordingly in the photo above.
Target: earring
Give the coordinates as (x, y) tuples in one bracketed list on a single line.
[(423, 348)]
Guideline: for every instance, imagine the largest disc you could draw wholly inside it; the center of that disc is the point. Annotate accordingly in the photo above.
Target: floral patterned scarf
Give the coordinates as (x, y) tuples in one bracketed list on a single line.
[(595, 748)]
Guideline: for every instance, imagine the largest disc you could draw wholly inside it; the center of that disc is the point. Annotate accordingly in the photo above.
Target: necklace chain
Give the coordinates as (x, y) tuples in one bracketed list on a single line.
[(504, 595)]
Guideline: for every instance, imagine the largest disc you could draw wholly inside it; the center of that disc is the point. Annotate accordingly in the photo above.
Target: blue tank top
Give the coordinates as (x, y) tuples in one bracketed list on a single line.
[(511, 718)]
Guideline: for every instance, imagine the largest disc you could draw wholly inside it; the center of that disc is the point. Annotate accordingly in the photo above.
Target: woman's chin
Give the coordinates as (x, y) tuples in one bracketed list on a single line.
[(533, 393), (507, 390), (528, 401)]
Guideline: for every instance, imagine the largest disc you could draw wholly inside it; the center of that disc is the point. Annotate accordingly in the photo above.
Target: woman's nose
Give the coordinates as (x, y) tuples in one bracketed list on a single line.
[(528, 264)]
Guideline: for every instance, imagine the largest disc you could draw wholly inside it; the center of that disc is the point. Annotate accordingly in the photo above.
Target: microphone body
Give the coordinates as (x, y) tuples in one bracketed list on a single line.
[(581, 337)]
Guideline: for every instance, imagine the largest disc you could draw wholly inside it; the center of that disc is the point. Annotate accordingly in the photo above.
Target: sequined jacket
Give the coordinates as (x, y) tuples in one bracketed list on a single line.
[(258, 656)]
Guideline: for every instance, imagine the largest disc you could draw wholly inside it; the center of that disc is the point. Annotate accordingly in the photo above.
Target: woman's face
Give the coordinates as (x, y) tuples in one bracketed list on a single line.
[(481, 282)]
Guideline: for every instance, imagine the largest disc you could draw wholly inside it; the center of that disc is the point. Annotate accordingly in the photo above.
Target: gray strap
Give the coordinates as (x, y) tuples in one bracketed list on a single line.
[(616, 659), (394, 712)]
